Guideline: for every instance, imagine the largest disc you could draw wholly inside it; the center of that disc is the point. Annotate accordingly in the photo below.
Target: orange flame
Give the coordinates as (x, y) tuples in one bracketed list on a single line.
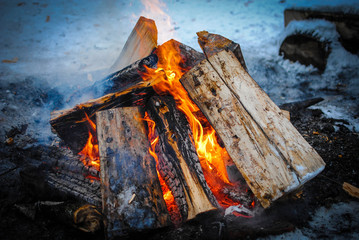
[(89, 154), (212, 156), (171, 205)]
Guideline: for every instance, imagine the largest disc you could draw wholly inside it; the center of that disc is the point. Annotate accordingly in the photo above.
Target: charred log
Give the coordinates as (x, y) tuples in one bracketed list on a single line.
[(60, 185), (178, 160), (71, 124)]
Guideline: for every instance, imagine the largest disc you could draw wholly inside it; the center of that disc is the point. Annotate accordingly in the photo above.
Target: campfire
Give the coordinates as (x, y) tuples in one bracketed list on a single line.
[(176, 133)]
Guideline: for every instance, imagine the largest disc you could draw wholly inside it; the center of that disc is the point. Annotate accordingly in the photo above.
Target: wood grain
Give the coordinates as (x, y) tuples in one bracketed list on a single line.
[(132, 198), (269, 152)]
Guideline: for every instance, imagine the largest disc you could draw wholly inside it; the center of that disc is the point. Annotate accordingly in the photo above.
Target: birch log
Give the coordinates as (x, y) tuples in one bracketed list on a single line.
[(132, 198), (268, 151)]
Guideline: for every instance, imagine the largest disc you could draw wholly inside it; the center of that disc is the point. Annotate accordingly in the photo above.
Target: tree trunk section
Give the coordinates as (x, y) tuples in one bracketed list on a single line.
[(140, 43), (268, 151), (131, 193), (178, 159)]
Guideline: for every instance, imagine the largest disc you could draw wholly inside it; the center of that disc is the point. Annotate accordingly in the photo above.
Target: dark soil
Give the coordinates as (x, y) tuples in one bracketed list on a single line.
[(338, 146)]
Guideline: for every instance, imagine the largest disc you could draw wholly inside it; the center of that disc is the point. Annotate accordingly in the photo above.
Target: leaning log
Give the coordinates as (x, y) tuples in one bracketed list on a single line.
[(269, 152), (128, 88), (71, 125), (178, 161), (141, 42), (117, 81), (131, 193)]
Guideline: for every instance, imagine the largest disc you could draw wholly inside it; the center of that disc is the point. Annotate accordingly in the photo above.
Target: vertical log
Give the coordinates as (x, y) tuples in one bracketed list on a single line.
[(131, 193), (178, 159), (269, 152)]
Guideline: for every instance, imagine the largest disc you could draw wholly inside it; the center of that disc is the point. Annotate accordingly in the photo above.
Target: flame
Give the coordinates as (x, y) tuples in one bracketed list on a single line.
[(154, 9), (212, 156), (171, 205), (89, 154)]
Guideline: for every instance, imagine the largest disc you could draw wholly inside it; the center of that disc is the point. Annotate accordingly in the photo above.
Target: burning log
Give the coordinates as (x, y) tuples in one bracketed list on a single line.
[(131, 193), (271, 155), (141, 42), (129, 90), (178, 162)]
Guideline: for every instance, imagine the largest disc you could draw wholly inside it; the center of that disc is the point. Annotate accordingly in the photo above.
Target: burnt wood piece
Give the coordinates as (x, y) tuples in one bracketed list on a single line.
[(190, 57), (347, 24), (43, 183), (271, 155), (140, 43), (71, 124), (214, 43), (75, 186), (72, 163), (131, 193), (306, 49), (178, 161), (119, 80), (300, 105)]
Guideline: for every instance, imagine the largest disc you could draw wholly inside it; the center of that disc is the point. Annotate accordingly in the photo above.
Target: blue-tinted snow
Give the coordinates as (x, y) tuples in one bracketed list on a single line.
[(70, 44)]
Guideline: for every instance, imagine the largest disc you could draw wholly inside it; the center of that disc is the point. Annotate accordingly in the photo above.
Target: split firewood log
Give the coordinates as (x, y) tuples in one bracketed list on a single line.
[(131, 193), (141, 42), (269, 152), (214, 43), (178, 161)]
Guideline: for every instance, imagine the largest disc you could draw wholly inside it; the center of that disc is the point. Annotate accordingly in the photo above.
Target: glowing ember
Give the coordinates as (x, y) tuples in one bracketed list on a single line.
[(171, 205), (89, 154), (212, 156)]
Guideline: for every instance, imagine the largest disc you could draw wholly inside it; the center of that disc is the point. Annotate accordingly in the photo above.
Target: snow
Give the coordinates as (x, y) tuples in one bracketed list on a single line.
[(335, 222)]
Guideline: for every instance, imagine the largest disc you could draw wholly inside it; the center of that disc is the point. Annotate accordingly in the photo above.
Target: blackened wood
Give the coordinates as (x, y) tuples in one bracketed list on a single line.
[(140, 43), (213, 43), (178, 160), (271, 155), (118, 81), (131, 193), (189, 56), (71, 125), (60, 185)]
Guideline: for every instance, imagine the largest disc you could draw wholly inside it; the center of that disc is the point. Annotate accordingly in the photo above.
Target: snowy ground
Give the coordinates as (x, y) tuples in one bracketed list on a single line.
[(70, 44)]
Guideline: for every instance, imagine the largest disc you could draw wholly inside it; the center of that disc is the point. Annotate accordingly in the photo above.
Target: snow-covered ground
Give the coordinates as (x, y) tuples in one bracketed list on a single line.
[(70, 44)]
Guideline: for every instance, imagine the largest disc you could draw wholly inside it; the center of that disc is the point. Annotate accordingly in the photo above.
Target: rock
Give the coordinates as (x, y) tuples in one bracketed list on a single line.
[(306, 50)]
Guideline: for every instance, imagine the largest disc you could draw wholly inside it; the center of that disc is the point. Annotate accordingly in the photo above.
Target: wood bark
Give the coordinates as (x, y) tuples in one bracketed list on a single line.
[(131, 193), (213, 43), (178, 161), (269, 152), (141, 42)]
